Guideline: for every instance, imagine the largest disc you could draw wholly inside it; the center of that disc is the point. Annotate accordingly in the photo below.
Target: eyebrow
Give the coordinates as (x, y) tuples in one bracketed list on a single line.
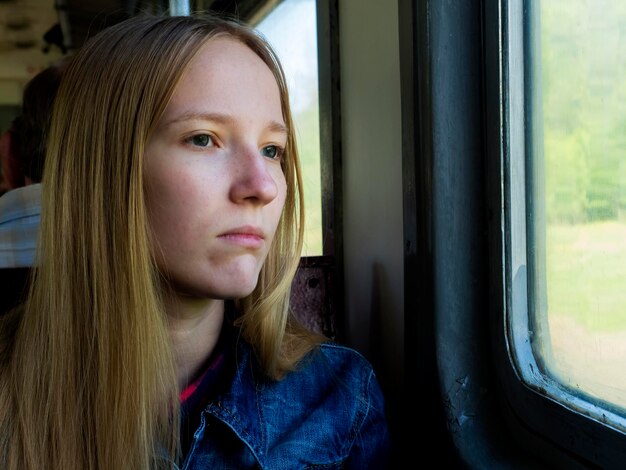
[(225, 119)]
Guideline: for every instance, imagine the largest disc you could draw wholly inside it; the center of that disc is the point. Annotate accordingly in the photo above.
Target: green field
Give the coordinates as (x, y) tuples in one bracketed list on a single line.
[(586, 273), (307, 135)]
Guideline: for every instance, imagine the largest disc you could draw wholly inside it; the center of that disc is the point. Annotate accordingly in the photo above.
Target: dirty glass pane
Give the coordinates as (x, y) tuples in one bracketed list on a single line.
[(582, 173)]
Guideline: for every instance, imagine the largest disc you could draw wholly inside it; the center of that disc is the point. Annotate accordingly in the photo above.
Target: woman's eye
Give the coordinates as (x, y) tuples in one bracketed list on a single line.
[(201, 140), (271, 151)]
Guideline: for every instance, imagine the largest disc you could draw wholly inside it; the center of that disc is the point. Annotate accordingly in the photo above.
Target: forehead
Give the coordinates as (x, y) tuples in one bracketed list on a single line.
[(227, 73)]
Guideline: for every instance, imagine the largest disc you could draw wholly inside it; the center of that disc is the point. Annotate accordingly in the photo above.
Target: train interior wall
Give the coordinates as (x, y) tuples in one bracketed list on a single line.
[(372, 189)]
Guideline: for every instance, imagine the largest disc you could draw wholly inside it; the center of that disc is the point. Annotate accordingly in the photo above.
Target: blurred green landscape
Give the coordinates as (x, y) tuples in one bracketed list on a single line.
[(583, 69), (586, 273), (307, 131)]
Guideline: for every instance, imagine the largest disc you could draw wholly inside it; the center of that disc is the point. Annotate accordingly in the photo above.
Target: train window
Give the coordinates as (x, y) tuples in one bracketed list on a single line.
[(579, 191), (573, 216), (291, 28), (562, 145)]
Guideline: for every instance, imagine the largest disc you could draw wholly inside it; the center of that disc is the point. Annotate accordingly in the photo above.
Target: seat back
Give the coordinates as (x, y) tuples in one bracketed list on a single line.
[(313, 295)]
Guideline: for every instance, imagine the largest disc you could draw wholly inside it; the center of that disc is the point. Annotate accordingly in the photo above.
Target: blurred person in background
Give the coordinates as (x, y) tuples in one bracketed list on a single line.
[(22, 154)]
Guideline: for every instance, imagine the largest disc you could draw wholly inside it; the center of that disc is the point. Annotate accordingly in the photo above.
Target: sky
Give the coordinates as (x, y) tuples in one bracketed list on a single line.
[(291, 29)]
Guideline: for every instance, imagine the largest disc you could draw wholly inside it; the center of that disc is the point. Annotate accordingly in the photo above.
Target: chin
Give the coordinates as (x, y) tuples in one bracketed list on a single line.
[(234, 282), (214, 292), (244, 290), (235, 288), (238, 283)]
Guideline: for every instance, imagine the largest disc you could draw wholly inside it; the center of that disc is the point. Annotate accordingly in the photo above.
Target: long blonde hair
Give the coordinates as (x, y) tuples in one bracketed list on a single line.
[(87, 377)]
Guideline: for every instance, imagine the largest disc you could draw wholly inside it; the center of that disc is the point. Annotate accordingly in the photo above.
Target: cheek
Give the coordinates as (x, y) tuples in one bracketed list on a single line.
[(279, 202), (277, 207), (166, 193), (174, 199)]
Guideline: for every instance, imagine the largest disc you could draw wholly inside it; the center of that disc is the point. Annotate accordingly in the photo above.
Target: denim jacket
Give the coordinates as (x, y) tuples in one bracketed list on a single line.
[(329, 413)]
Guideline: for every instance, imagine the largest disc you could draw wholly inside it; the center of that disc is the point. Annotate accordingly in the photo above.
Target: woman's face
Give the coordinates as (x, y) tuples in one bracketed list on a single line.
[(215, 189)]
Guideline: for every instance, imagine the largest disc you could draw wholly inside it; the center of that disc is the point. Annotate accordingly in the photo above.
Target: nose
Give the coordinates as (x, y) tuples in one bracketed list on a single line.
[(253, 180)]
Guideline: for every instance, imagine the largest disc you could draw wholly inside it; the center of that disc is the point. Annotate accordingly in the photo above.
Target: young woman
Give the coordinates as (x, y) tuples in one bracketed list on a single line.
[(157, 331)]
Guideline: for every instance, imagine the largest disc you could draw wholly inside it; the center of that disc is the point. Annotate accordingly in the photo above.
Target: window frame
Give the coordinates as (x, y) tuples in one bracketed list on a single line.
[(329, 80), (559, 424), (331, 171), (461, 382)]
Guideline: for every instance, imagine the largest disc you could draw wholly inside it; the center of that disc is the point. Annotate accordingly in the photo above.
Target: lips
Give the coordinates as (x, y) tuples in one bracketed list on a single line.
[(246, 236), (245, 230)]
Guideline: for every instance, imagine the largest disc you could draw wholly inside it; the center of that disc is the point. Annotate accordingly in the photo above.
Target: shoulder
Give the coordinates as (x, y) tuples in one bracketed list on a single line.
[(339, 400), (328, 412), (336, 364), (329, 368), (19, 226), (328, 362), (330, 378), (332, 381), (20, 203), (344, 356)]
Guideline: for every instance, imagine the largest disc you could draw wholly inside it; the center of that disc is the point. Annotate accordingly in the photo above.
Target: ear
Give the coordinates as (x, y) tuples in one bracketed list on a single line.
[(11, 170)]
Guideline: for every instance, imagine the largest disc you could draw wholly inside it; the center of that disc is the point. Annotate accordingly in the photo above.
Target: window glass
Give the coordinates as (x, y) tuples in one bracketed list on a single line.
[(579, 225), (291, 29)]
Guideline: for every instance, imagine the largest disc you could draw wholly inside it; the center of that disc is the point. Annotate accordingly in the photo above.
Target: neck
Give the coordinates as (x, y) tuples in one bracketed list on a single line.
[(194, 326)]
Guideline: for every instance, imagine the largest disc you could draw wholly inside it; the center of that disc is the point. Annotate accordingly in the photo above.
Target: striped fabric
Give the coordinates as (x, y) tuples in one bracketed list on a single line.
[(19, 226)]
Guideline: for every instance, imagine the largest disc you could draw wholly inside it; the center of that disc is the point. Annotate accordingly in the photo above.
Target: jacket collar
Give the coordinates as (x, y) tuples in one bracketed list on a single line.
[(238, 407)]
